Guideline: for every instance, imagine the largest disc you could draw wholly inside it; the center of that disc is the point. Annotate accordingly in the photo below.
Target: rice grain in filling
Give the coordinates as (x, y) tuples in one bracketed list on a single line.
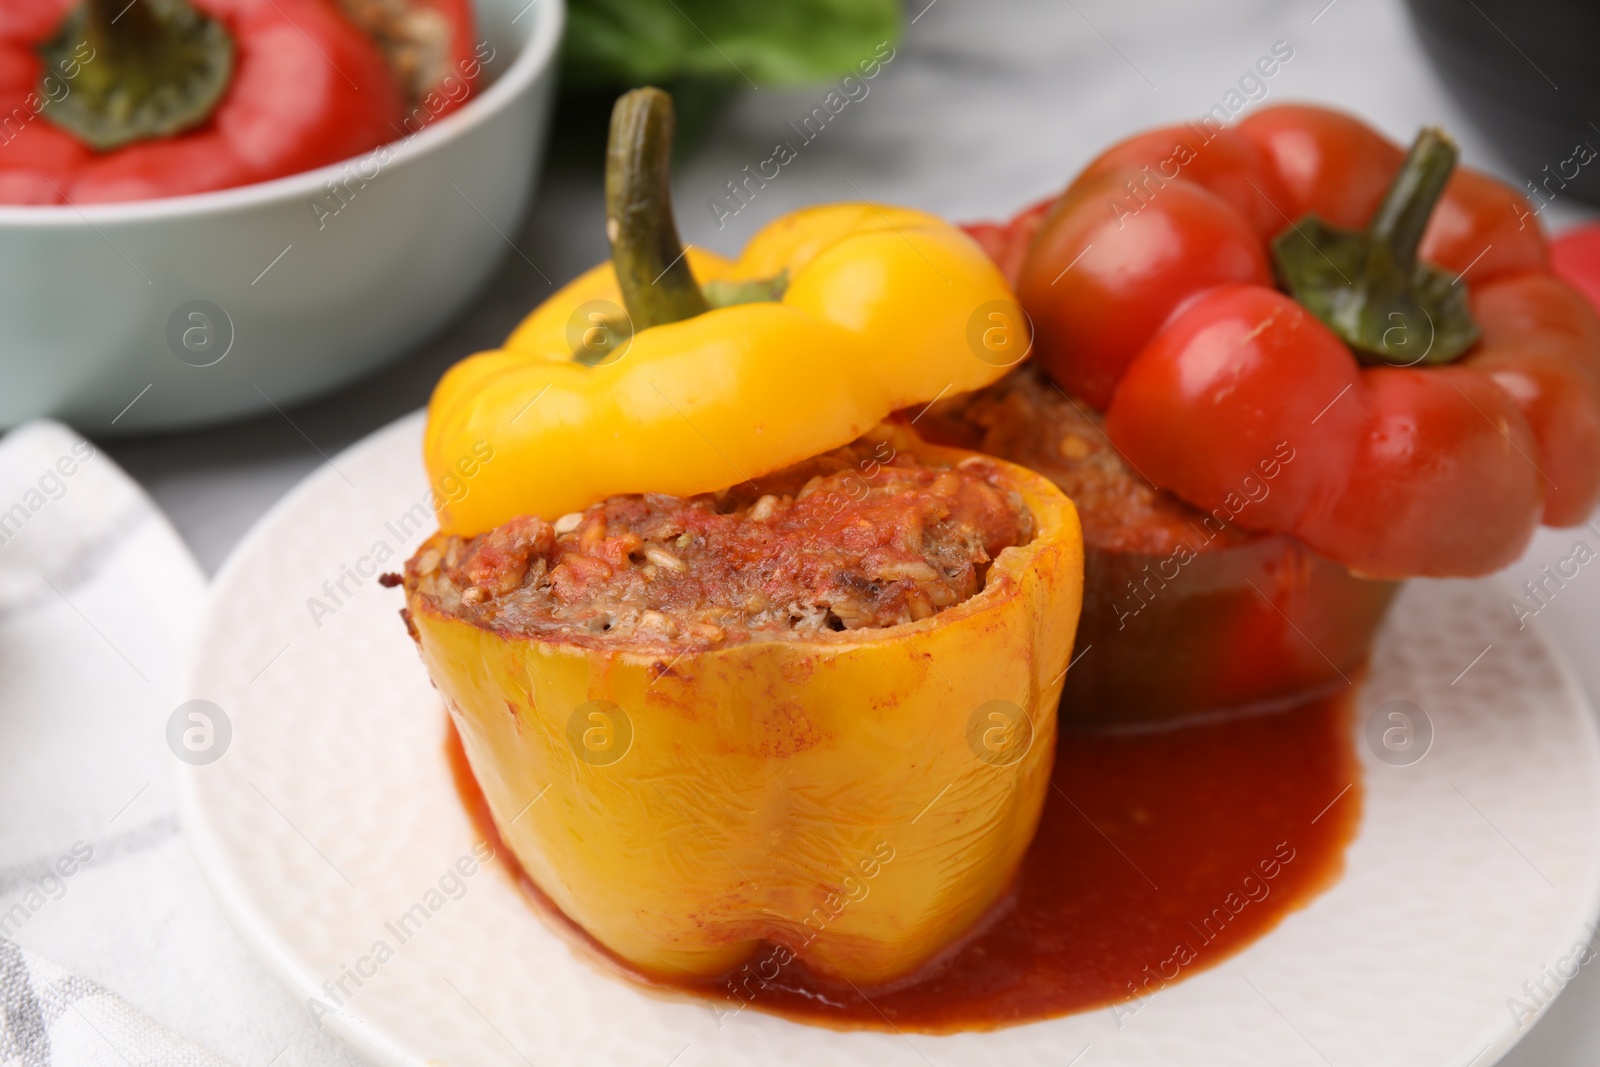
[(843, 541)]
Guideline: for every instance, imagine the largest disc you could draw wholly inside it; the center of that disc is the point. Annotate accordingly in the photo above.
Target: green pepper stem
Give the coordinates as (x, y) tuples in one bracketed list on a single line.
[(653, 272), (1368, 285), (152, 68), (1397, 228)]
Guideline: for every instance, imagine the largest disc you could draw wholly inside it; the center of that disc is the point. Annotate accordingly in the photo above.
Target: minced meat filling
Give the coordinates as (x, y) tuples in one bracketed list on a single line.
[(1026, 419), (854, 539)]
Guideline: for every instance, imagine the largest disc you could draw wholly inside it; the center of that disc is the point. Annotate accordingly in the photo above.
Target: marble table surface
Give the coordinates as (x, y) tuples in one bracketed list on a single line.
[(984, 106)]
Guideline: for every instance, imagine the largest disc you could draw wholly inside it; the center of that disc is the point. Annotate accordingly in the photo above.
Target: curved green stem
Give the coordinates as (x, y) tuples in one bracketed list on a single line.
[(1369, 287), (1396, 230), (653, 272)]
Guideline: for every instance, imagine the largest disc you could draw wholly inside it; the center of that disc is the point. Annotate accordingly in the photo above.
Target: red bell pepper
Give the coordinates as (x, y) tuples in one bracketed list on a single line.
[(1575, 256), (100, 101), (1439, 388)]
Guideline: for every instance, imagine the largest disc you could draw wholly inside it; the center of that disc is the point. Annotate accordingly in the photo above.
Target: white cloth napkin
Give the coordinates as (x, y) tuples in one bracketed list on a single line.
[(112, 950)]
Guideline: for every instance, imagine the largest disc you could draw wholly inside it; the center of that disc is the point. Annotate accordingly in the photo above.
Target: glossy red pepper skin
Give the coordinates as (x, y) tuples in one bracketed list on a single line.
[(309, 89), (1484, 230), (1392, 451), (1325, 161), (1443, 484), (1541, 345), (1231, 166), (1210, 386), (36, 158), (1574, 256), (1399, 472), (1134, 269)]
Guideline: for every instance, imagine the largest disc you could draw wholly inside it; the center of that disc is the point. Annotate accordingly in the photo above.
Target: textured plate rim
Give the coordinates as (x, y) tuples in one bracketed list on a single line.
[(207, 846)]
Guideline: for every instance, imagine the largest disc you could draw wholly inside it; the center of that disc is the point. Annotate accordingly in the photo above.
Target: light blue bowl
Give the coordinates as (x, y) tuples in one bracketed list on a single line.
[(121, 318)]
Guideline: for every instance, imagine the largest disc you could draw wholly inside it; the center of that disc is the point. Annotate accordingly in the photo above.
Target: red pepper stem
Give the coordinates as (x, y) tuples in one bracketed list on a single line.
[(652, 270), (113, 28), (146, 69), (1396, 229), (100, 15), (1368, 285)]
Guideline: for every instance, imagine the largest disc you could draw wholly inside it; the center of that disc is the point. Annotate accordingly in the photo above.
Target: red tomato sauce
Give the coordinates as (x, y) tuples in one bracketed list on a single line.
[(1159, 855)]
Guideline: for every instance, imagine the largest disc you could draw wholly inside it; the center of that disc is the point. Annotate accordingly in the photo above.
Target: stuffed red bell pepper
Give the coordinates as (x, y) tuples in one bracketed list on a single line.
[(1300, 282)]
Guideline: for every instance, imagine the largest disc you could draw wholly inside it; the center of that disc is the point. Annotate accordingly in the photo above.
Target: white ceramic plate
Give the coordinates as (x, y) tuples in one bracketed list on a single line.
[(332, 812)]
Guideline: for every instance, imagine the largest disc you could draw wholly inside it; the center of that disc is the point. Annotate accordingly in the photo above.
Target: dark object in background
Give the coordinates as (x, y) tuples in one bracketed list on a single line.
[(702, 52), (1526, 72)]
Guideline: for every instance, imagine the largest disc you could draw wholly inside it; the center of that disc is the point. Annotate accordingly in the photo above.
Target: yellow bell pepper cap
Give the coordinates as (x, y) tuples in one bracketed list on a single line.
[(884, 308)]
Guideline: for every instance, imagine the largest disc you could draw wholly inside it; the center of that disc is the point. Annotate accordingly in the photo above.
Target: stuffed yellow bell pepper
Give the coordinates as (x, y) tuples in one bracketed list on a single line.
[(734, 665)]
